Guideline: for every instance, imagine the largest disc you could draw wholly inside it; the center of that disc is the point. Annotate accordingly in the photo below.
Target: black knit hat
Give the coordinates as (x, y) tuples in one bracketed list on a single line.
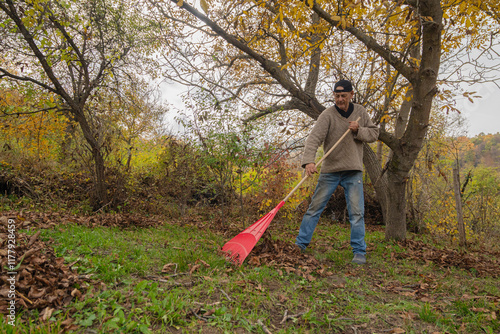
[(342, 86)]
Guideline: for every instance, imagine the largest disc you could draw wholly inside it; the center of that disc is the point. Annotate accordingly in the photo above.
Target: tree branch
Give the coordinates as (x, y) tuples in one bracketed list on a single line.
[(315, 63), (370, 42), (12, 13), (24, 78), (272, 67), (389, 139), (6, 114), (289, 105), (70, 41)]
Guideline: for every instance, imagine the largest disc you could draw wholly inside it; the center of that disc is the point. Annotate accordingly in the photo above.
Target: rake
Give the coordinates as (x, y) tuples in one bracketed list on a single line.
[(237, 249)]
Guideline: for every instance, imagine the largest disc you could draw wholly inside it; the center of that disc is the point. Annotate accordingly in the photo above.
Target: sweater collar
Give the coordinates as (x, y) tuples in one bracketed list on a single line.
[(347, 113)]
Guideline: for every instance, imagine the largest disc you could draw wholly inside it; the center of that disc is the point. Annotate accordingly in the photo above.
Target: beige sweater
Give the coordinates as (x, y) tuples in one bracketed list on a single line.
[(329, 127)]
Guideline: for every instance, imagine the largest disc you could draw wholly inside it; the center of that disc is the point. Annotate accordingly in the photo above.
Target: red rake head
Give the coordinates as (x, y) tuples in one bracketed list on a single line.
[(237, 249)]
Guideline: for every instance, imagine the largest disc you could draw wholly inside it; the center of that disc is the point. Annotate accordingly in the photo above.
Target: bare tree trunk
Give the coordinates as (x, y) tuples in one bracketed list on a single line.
[(66, 143), (100, 175), (129, 154), (379, 181), (100, 169), (458, 201), (380, 148), (395, 220)]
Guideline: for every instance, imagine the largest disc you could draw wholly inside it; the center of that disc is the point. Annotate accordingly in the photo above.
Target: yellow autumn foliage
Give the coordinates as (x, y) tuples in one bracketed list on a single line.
[(36, 134)]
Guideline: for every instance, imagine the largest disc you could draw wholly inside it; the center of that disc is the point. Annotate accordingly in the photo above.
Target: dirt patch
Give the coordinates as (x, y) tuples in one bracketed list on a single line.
[(479, 264)]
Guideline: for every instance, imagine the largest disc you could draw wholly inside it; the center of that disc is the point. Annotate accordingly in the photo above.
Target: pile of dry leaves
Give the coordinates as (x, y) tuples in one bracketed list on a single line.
[(287, 256), (51, 219), (482, 264), (39, 278)]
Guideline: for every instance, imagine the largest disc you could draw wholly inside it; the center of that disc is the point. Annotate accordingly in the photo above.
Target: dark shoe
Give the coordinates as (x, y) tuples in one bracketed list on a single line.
[(359, 259)]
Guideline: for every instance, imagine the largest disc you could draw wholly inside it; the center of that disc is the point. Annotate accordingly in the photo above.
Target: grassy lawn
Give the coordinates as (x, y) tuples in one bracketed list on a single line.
[(171, 279)]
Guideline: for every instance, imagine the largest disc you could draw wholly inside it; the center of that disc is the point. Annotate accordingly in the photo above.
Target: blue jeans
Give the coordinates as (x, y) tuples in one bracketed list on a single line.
[(352, 182)]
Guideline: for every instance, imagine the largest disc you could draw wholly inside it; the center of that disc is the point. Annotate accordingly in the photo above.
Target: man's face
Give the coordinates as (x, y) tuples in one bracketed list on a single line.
[(342, 99)]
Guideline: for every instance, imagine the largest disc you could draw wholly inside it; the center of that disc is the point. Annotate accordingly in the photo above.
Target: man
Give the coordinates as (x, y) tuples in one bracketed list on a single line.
[(343, 166)]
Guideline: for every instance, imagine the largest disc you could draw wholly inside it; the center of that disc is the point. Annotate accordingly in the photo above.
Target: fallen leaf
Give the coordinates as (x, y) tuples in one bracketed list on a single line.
[(46, 313), (76, 293), (310, 278), (4, 220), (168, 267), (36, 293), (209, 313), (204, 263), (282, 298), (408, 315), (33, 238), (241, 283), (409, 294), (194, 268), (479, 309), (254, 261)]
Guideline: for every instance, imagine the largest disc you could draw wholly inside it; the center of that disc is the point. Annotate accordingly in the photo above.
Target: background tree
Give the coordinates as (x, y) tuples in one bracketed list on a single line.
[(71, 49), (293, 46), (226, 146), (135, 112)]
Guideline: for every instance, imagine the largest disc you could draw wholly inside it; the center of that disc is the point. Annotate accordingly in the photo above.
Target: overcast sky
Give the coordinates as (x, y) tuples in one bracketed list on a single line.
[(482, 116)]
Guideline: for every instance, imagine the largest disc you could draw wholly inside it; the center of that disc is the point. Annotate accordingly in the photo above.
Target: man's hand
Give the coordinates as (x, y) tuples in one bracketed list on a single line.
[(354, 126), (311, 169)]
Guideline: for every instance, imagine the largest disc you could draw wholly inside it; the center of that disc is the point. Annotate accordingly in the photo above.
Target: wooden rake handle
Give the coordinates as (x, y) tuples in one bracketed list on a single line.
[(319, 162)]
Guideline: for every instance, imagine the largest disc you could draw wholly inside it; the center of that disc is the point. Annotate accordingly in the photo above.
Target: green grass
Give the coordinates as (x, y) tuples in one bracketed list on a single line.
[(113, 254), (130, 294)]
